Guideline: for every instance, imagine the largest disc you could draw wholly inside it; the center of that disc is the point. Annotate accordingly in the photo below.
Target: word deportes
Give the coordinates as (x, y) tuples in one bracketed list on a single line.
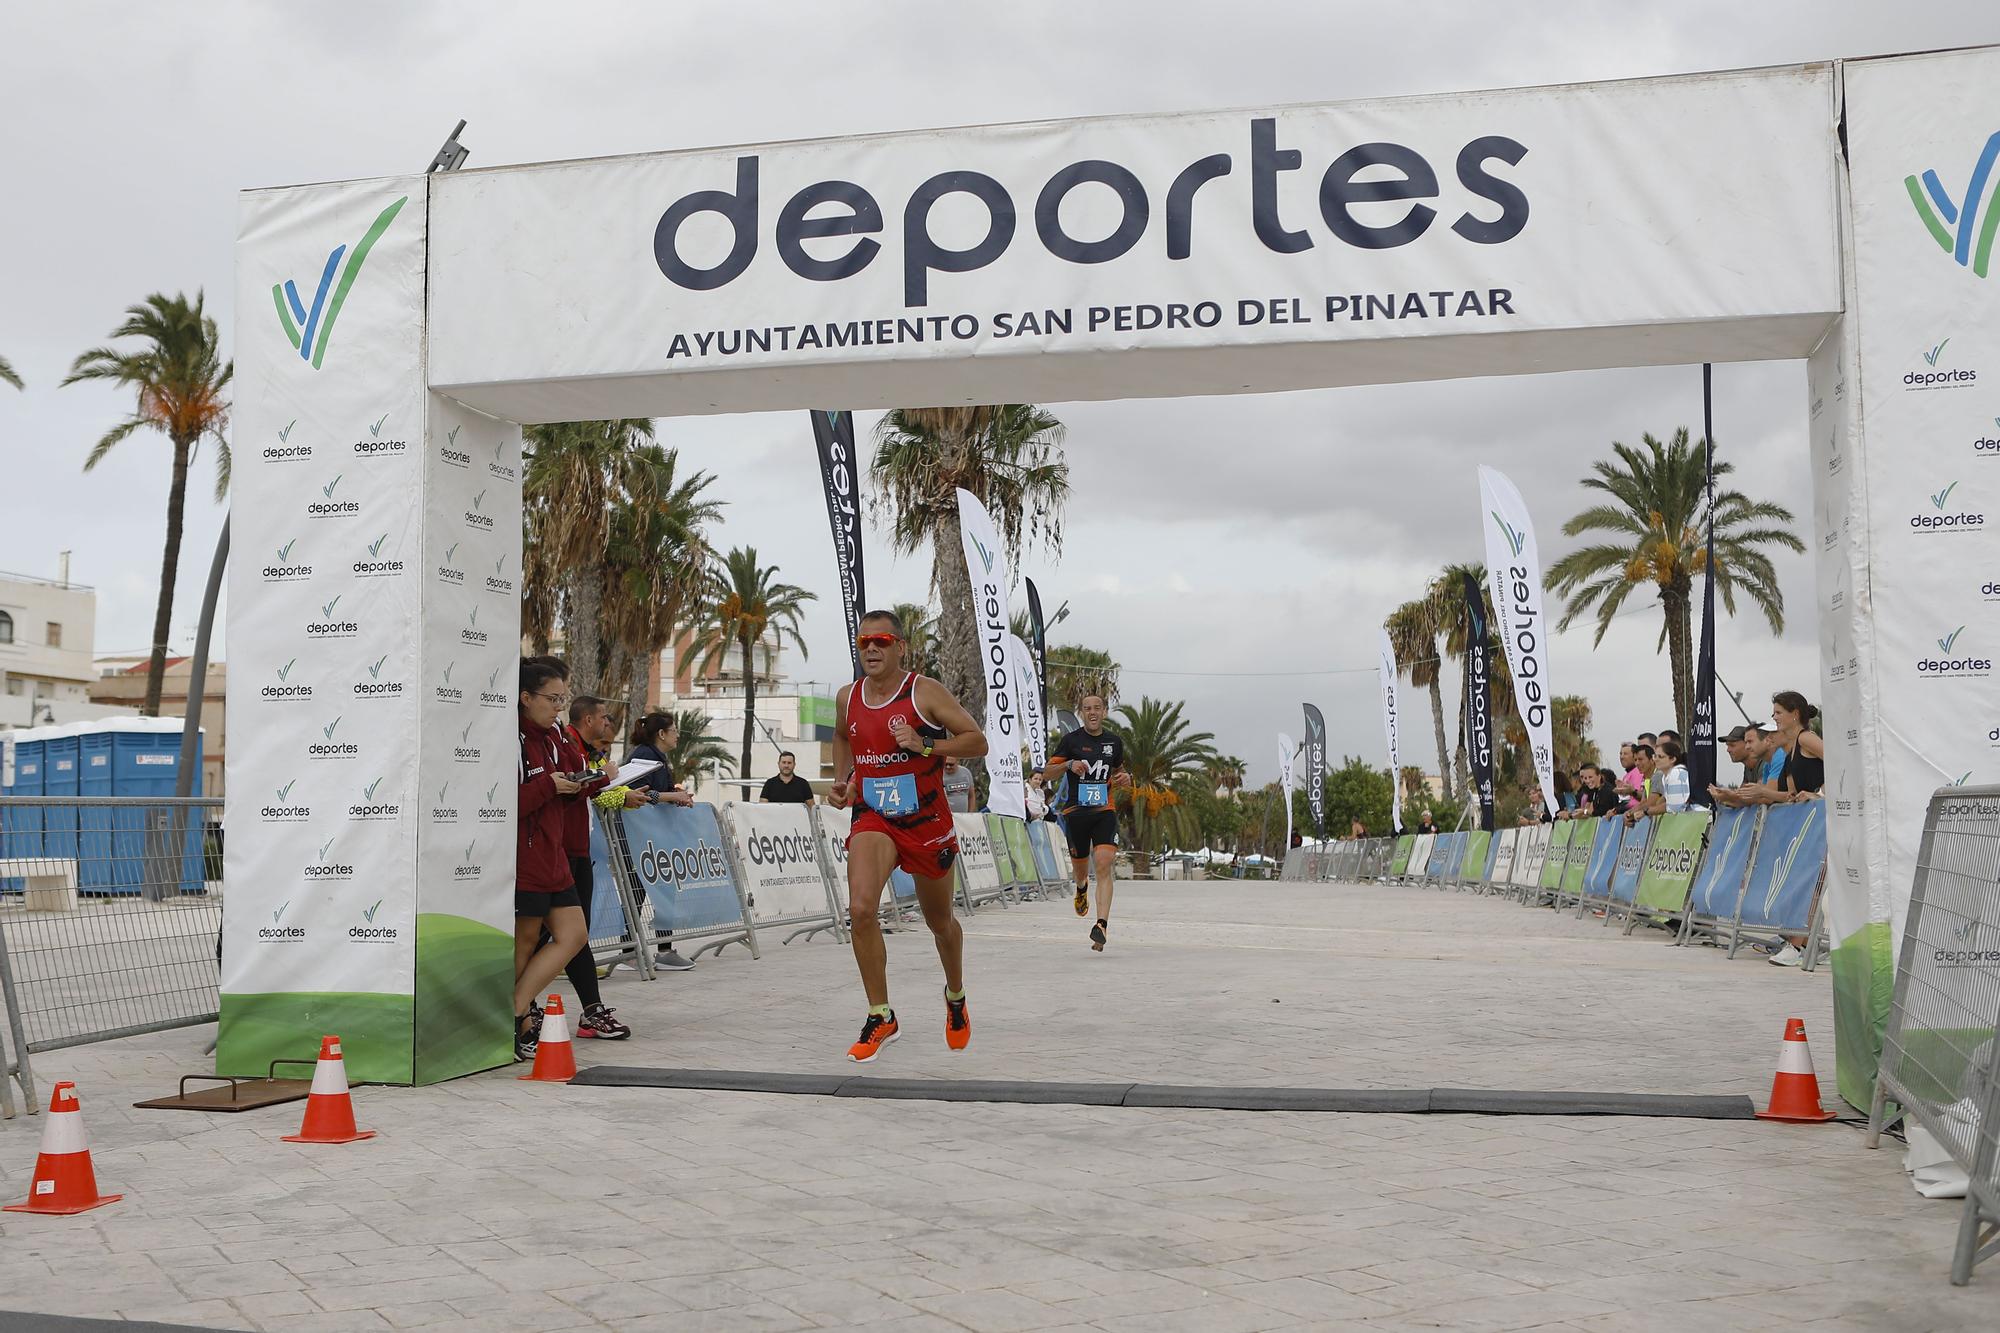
[(1414, 179)]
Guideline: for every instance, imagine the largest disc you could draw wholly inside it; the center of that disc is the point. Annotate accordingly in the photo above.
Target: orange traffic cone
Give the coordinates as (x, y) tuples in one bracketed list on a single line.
[(1795, 1088), (329, 1110), (64, 1180), (555, 1058)]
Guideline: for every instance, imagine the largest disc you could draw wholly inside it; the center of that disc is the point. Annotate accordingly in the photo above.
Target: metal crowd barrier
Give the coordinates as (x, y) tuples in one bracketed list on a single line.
[(110, 916), (1939, 1062)]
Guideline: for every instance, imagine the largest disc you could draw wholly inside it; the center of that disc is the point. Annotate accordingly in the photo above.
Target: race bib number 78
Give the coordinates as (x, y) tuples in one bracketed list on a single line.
[(1093, 793)]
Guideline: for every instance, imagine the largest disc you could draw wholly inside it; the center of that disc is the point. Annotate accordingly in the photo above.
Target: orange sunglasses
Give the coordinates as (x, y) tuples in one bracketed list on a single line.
[(866, 641)]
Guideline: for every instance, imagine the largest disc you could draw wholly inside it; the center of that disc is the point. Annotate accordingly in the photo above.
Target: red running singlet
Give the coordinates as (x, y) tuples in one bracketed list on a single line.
[(895, 791)]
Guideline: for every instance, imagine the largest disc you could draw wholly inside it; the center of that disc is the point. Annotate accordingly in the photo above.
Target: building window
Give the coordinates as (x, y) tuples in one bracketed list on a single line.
[(13, 687), (6, 628), (55, 635)]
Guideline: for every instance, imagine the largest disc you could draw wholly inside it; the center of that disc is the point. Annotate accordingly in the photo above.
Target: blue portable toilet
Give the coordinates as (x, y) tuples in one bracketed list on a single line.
[(145, 761), (62, 774), (21, 830), (93, 826)]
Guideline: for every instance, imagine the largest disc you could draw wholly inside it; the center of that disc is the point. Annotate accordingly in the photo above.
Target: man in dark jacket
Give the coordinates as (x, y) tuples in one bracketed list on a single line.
[(545, 896)]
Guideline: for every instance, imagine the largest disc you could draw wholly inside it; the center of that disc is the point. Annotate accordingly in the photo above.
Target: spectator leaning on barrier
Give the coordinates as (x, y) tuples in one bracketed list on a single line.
[(786, 787), (1805, 752), (544, 892), (654, 737), (1669, 792)]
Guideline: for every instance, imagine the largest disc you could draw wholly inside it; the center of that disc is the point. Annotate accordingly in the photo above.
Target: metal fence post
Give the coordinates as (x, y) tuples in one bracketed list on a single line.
[(15, 1066)]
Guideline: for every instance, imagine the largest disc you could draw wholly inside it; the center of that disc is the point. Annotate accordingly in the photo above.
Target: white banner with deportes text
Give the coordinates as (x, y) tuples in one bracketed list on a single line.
[(1196, 253), (986, 563), (1514, 574), (1907, 499)]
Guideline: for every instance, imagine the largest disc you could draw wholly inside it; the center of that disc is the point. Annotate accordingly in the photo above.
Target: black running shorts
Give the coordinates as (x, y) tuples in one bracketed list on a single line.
[(1090, 828)]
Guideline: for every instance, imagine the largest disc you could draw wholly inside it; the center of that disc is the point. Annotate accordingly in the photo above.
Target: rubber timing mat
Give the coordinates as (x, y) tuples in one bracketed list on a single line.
[(1376, 1101)]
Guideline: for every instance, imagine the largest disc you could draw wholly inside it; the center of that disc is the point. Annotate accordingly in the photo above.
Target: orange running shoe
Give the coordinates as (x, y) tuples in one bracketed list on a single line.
[(876, 1033), (957, 1024), (1083, 900)]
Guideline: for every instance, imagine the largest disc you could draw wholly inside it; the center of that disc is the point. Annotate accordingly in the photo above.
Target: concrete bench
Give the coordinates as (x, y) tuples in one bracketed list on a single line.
[(50, 883)]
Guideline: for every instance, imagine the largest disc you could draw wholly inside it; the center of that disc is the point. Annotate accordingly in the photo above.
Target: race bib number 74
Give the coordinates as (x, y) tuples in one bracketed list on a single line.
[(892, 795)]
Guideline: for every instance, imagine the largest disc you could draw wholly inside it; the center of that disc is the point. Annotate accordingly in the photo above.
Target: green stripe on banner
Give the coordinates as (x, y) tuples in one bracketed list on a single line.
[(1984, 253), (349, 273), (1939, 232), (1864, 978), (465, 992), (374, 1032), (284, 315), (1401, 861)]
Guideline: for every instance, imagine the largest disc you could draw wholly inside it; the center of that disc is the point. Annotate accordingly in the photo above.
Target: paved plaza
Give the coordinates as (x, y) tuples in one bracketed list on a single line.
[(491, 1204)]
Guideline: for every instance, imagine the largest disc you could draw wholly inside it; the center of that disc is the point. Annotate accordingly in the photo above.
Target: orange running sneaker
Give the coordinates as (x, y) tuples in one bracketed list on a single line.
[(1083, 900), (876, 1033), (957, 1024)]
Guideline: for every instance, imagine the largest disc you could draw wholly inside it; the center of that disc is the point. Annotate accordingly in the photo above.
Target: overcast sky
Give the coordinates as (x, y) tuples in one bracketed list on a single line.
[(1233, 552)]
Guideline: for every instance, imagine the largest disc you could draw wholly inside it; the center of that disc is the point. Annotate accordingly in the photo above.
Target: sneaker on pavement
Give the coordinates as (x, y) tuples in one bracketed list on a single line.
[(669, 961), (1097, 937), (876, 1033), (598, 1021), (1082, 903), (528, 1033), (957, 1024), (1789, 956)]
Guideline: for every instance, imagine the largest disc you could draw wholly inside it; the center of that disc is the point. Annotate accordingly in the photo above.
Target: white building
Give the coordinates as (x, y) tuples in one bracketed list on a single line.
[(790, 715), (48, 633)]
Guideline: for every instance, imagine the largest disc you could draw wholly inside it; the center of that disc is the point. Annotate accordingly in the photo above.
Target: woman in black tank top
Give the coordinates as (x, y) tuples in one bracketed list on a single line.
[(1805, 752)]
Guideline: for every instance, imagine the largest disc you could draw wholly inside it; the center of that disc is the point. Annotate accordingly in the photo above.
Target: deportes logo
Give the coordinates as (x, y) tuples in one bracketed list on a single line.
[(284, 451), (310, 327), (1514, 539), (278, 932), (286, 688), (1953, 222), (368, 808), (1946, 666), (284, 569), (324, 870), (375, 446), (1950, 377), (369, 932), (451, 454), (446, 692), (1943, 516), (375, 567)]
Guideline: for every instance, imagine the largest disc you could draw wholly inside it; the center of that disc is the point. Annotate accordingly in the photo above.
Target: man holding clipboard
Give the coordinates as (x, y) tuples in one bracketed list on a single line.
[(1091, 762), (892, 733)]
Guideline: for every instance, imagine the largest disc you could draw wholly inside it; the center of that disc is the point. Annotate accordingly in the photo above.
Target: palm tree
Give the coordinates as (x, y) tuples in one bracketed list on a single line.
[(1656, 521), (1159, 751), (920, 633), (178, 376), (1075, 671), (7, 374), (697, 753), (1225, 773), (1569, 733), (653, 568), (744, 606), (1413, 633), (576, 475), (1010, 457)]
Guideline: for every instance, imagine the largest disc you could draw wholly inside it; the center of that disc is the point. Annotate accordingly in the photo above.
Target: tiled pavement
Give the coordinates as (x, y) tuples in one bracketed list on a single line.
[(491, 1204)]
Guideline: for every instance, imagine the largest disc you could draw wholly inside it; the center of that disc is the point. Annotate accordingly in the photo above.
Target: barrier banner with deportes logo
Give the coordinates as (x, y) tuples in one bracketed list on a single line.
[(1630, 860), (1602, 862), (1791, 854), (1555, 858), (1316, 769), (778, 857), (1906, 465), (1399, 857), (1670, 860), (1514, 574), (833, 437), (1506, 846), (1420, 854), (680, 860), (1718, 880), (986, 563), (1478, 699), (1531, 845), (1385, 679), (977, 861), (374, 622), (1041, 842)]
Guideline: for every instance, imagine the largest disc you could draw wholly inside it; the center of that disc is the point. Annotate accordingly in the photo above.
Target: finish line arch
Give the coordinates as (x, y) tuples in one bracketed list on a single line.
[(1838, 212)]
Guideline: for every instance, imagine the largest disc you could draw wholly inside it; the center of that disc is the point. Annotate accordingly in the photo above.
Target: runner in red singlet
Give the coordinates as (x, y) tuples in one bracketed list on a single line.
[(892, 732)]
